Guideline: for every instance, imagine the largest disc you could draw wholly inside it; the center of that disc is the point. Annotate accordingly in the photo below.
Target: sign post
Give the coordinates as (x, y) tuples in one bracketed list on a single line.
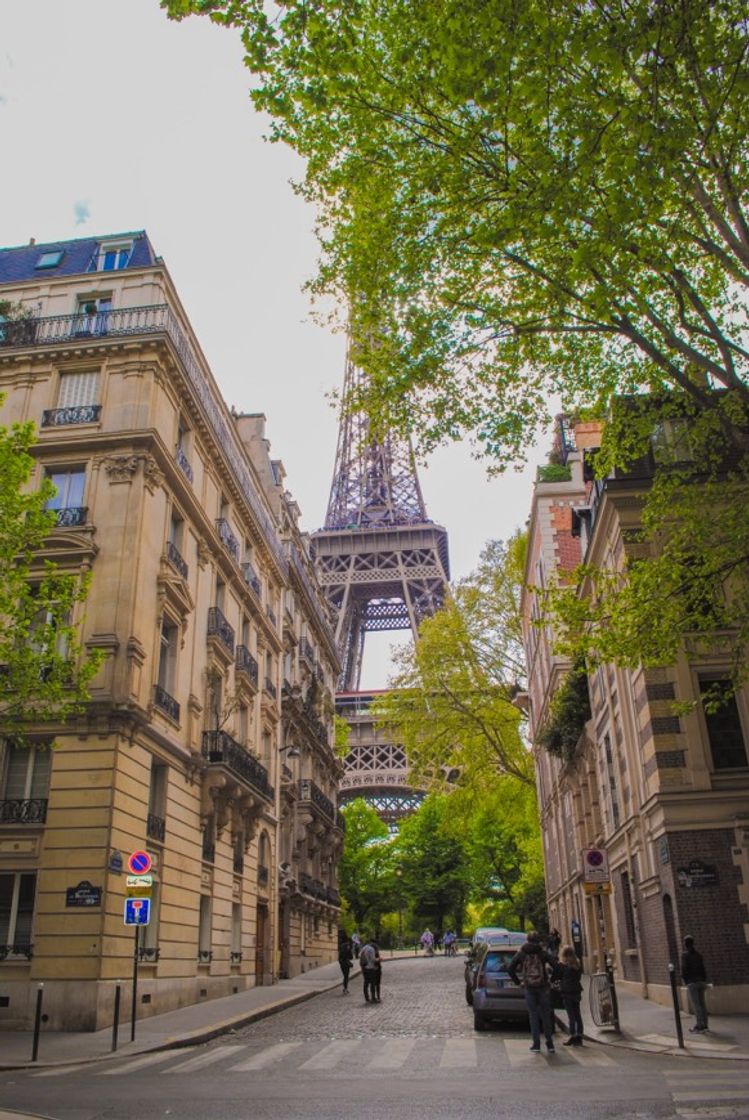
[(137, 913)]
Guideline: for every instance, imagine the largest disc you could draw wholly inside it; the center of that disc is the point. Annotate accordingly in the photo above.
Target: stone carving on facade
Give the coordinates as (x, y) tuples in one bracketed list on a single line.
[(153, 477), (120, 468)]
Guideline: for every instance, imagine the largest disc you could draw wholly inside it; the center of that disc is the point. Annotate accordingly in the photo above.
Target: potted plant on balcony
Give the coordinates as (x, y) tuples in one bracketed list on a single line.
[(17, 324)]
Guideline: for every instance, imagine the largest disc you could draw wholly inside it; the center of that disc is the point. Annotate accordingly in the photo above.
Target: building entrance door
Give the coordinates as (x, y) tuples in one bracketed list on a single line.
[(261, 944)]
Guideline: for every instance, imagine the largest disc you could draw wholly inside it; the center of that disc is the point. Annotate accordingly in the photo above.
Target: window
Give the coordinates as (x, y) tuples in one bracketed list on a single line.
[(244, 723), (27, 772), (149, 935), (670, 442), (155, 825), (723, 721), (50, 259), (78, 389), (69, 483), (220, 595), (629, 912), (92, 314), (204, 929), (176, 528), (168, 656), (236, 932), (111, 256), (17, 893), (611, 775)]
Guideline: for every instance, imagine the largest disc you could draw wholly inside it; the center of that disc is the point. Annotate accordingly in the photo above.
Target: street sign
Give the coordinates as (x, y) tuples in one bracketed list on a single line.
[(139, 863), (137, 911), (139, 886), (597, 888), (595, 865)]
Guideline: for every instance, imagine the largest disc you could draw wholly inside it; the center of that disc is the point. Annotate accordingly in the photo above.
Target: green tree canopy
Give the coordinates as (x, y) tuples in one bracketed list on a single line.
[(519, 200), (43, 670), (433, 865), (365, 874)]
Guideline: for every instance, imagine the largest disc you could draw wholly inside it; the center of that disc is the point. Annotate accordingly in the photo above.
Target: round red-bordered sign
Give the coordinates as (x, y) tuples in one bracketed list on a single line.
[(139, 863), (595, 858)]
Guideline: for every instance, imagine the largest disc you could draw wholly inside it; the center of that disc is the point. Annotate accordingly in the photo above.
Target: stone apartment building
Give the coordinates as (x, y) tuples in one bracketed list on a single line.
[(207, 740), (664, 796)]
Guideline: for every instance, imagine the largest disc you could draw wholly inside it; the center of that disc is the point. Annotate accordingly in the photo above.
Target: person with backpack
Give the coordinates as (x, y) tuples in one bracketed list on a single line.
[(566, 974), (369, 959), (531, 968)]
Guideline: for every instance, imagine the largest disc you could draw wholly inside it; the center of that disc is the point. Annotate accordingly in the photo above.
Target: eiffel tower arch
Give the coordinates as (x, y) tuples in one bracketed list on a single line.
[(383, 566)]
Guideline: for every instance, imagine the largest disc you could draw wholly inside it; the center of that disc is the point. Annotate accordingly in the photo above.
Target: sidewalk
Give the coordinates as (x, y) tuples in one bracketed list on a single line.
[(651, 1027)]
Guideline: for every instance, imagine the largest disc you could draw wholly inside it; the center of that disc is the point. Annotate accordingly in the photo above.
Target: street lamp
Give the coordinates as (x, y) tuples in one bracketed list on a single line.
[(399, 876)]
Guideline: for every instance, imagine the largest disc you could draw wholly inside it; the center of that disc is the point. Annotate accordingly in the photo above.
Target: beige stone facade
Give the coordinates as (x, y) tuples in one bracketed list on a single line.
[(202, 591), (661, 793)]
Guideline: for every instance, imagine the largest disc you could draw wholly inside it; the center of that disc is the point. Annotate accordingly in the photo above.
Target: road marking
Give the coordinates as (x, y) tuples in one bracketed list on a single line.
[(331, 1055), (265, 1057), (393, 1054), (142, 1062), (60, 1071), (681, 1079), (714, 1094), (459, 1053), (519, 1054), (206, 1059), (588, 1056)]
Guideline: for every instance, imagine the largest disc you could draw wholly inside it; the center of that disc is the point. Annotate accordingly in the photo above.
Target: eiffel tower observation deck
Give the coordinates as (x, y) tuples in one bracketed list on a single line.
[(384, 566)]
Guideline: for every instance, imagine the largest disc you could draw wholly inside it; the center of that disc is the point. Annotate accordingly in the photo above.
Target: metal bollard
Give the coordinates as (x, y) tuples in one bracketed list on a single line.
[(37, 1022), (116, 1020), (675, 998)]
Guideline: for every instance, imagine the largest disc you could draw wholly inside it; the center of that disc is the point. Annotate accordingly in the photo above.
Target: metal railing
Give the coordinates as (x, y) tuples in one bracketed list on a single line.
[(220, 748), (22, 949), (149, 954), (77, 414), (245, 663), (227, 538), (165, 703), (251, 578), (218, 627), (30, 810), (155, 828), (315, 889), (235, 956), (270, 688), (271, 614), (174, 557), (157, 318), (183, 463), (205, 956), (310, 791), (70, 516), (313, 592), (307, 652)]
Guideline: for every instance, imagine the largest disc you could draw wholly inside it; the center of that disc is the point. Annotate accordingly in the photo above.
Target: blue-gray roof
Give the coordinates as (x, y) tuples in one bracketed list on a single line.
[(78, 256)]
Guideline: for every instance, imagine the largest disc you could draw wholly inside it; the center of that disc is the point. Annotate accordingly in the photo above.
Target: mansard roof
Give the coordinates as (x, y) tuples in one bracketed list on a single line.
[(79, 255)]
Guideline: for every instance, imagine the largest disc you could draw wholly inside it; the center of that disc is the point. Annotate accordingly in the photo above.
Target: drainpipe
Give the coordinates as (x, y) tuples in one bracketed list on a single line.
[(635, 908)]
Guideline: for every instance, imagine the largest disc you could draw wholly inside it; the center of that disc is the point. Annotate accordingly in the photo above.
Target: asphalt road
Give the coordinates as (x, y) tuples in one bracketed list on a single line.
[(415, 1056)]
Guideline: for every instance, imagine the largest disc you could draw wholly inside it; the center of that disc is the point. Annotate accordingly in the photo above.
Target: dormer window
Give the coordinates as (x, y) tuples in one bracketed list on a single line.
[(112, 256), (50, 260)]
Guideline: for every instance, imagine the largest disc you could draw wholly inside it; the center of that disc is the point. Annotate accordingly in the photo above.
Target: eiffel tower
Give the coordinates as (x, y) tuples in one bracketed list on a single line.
[(383, 566)]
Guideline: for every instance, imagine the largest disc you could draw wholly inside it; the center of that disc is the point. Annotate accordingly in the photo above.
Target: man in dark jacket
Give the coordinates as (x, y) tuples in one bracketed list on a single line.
[(530, 968), (694, 976)]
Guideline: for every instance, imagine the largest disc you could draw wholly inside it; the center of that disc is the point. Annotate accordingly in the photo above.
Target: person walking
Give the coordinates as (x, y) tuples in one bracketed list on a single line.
[(553, 941), (567, 972), (356, 943), (369, 958), (530, 968), (345, 959), (427, 942), (695, 977)]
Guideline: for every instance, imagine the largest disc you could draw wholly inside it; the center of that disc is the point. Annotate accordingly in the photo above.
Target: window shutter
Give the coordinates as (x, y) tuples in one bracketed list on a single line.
[(40, 775), (78, 389)]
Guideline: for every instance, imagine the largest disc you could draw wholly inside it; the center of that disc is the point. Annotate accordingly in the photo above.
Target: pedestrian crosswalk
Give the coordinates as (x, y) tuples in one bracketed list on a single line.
[(348, 1055), (719, 1087)]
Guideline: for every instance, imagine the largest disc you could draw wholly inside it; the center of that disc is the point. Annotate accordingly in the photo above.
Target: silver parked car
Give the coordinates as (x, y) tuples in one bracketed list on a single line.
[(493, 994)]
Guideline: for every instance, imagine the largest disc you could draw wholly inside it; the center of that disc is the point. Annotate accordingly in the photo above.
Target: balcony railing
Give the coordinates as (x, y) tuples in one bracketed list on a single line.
[(218, 627), (23, 949), (183, 463), (71, 516), (205, 956), (78, 414), (165, 703), (226, 537), (174, 557), (155, 828), (270, 688), (271, 614), (245, 663), (31, 810), (235, 956), (220, 748), (312, 590), (251, 578), (307, 652), (158, 319), (149, 954), (309, 791)]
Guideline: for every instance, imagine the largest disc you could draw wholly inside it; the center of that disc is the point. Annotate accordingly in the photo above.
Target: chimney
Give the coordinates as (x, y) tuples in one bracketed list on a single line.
[(32, 241)]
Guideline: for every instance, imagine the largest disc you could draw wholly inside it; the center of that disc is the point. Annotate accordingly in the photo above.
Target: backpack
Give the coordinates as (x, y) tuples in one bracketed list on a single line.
[(534, 971)]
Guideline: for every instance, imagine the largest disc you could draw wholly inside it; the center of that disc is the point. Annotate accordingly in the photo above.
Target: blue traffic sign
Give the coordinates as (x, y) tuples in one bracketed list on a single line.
[(139, 863), (137, 911)]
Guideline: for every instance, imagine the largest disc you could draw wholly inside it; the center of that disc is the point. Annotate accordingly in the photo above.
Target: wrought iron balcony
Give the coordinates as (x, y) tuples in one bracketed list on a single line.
[(263, 875), (238, 865), (245, 663), (310, 791), (312, 887), (235, 956), (183, 463), (251, 578), (218, 627), (148, 954), (226, 537), (23, 949), (205, 956), (307, 652), (31, 810), (221, 749), (332, 896), (271, 614), (174, 557), (270, 688), (71, 516), (77, 414), (165, 703), (209, 851), (155, 828)]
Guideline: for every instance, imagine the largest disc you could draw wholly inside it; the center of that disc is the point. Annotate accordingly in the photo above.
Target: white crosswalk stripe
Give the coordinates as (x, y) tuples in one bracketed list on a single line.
[(142, 1062), (459, 1053), (206, 1059), (393, 1054), (519, 1055), (265, 1058), (588, 1056), (59, 1071), (710, 1085), (331, 1055)]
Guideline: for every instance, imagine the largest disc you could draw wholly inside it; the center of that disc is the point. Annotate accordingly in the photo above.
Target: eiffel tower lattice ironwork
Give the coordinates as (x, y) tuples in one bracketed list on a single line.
[(383, 566)]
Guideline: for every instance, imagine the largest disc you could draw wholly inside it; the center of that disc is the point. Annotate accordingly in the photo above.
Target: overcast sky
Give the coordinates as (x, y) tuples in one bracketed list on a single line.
[(112, 118)]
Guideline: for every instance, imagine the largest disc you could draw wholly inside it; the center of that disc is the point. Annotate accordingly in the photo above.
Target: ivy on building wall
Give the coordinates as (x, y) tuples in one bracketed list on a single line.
[(568, 714)]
